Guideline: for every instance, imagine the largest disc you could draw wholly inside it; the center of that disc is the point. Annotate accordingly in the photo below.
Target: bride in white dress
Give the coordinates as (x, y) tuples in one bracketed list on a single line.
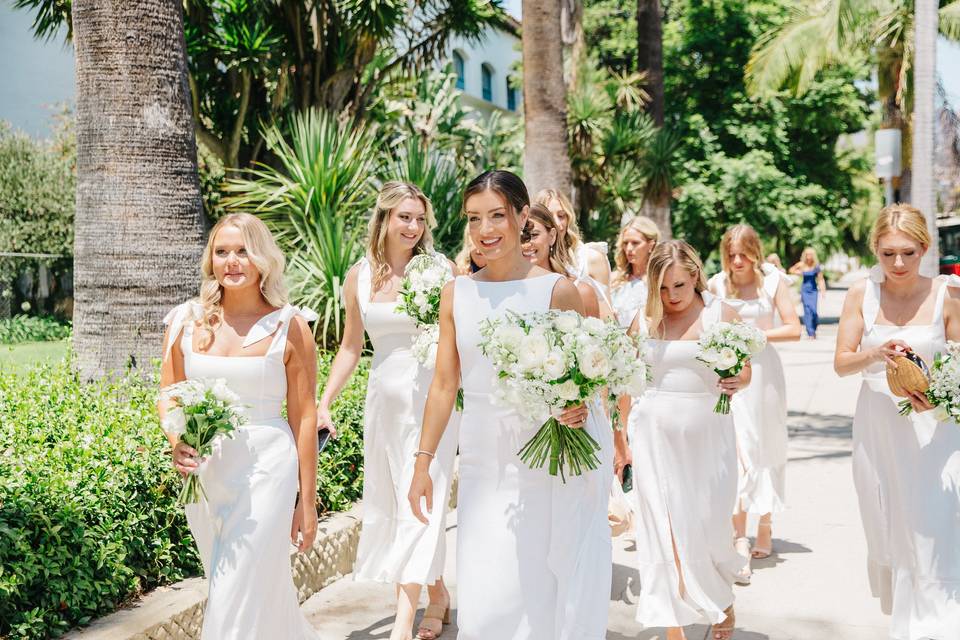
[(684, 456), (761, 295), (506, 587), (394, 547), (243, 330), (906, 468)]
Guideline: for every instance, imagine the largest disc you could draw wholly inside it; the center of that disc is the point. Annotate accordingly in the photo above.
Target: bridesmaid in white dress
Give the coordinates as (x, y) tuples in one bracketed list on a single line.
[(587, 259), (243, 330), (685, 458), (761, 295), (580, 552), (628, 286), (906, 468), (394, 547), (506, 586)]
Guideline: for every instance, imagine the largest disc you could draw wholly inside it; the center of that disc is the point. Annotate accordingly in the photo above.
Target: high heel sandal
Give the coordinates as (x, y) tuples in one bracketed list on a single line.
[(743, 576), (435, 612), (724, 630), (763, 552)]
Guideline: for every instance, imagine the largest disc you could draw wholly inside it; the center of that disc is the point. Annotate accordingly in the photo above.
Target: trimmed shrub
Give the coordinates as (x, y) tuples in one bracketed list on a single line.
[(20, 329), (88, 513)]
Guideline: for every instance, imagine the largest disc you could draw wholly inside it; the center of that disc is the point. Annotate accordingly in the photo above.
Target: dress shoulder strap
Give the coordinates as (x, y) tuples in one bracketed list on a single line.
[(278, 323), (712, 309), (364, 284), (870, 307), (181, 319), (947, 281)]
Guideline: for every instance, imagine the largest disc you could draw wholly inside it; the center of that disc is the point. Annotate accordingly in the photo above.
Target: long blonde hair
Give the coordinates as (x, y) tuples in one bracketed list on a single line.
[(664, 256), (645, 227), (904, 218), (464, 259), (391, 195), (750, 244), (559, 255), (572, 236), (262, 251)]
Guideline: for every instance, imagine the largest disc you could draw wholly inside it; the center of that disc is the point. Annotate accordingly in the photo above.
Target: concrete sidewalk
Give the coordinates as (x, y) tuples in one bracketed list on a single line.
[(815, 585)]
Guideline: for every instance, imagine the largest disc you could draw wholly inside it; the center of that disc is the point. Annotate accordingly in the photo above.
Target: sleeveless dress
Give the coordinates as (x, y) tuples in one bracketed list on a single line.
[(760, 411), (527, 569), (629, 298), (242, 529), (685, 484), (394, 546), (907, 473), (809, 296)]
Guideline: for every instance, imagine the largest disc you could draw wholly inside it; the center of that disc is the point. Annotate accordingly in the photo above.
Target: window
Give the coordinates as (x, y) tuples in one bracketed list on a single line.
[(511, 97), (486, 74), (458, 68)]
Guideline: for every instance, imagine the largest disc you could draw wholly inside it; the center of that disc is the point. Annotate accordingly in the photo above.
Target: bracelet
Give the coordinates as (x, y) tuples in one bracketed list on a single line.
[(421, 452)]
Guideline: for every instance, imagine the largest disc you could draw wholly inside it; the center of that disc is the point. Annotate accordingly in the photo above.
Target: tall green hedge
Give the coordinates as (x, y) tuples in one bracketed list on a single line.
[(88, 517)]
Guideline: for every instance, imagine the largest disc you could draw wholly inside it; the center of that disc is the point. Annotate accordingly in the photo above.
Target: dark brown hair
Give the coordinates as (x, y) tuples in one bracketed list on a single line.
[(508, 185), (559, 255)]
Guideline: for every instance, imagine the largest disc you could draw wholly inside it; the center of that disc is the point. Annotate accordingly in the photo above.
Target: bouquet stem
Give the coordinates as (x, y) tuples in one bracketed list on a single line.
[(562, 446), (191, 491), (723, 404)]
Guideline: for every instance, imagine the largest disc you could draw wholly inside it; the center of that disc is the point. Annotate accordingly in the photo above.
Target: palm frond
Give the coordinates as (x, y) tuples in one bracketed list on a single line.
[(950, 20)]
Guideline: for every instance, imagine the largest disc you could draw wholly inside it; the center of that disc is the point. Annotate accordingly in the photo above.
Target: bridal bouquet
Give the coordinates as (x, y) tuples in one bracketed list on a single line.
[(423, 280), (944, 390), (204, 411), (546, 362), (725, 347)]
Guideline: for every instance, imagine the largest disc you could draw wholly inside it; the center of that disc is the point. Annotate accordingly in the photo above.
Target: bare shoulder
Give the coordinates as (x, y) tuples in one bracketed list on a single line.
[(300, 336), (856, 290), (728, 313), (565, 295)]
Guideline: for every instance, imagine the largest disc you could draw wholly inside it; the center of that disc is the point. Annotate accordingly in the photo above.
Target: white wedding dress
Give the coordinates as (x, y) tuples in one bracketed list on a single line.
[(907, 473), (533, 554), (685, 487), (760, 411), (251, 481), (394, 546)]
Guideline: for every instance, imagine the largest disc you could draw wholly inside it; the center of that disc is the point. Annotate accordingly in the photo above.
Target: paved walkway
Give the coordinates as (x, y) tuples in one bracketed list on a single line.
[(815, 585)]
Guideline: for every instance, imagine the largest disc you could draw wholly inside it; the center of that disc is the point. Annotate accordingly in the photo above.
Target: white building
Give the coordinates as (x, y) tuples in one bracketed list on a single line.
[(484, 69)]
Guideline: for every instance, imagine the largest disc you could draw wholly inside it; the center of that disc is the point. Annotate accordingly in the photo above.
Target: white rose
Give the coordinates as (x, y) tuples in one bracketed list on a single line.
[(637, 385), (594, 325), (509, 335), (175, 421), (222, 392), (727, 360), (594, 363), (710, 356), (941, 413), (554, 365), (568, 391), (567, 321), (533, 350)]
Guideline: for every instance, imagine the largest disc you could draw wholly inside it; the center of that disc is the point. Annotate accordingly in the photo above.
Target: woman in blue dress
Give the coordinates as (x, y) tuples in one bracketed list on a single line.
[(813, 288)]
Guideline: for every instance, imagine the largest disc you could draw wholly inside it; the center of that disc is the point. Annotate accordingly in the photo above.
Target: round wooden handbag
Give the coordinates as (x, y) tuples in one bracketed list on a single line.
[(911, 375)]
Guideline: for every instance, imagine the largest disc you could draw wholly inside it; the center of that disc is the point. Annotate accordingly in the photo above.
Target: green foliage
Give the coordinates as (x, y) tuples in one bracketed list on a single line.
[(20, 329), (87, 500), (88, 513)]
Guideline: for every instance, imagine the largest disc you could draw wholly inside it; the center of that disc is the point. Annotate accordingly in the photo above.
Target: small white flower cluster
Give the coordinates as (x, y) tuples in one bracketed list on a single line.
[(204, 395), (548, 361), (944, 390), (726, 346), (424, 278)]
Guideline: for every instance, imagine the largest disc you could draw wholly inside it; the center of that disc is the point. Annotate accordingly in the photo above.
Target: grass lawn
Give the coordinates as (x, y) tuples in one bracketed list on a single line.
[(20, 357)]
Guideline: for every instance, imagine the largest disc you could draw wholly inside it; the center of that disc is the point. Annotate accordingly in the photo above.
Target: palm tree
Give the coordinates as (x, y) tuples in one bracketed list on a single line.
[(138, 226), (823, 32), (650, 55), (546, 162), (924, 78)]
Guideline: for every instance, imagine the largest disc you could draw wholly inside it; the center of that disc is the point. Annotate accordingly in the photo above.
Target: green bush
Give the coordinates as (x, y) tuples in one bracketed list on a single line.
[(88, 513), (19, 329)]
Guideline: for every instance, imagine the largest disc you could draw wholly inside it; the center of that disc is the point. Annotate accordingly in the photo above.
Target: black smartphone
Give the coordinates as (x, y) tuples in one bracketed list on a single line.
[(323, 436), (627, 478)]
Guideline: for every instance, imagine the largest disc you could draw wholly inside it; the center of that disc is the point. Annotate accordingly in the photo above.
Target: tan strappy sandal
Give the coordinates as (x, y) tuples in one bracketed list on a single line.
[(724, 630), (763, 552), (434, 613)]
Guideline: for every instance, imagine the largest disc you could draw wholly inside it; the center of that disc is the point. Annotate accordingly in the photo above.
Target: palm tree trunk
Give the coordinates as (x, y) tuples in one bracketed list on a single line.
[(139, 225), (924, 81), (659, 211), (546, 161), (650, 54)]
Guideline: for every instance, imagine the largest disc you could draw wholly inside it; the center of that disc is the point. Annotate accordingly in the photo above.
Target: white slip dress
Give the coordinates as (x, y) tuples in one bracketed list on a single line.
[(629, 298), (394, 546), (685, 487), (242, 528), (907, 473), (760, 411), (526, 570)]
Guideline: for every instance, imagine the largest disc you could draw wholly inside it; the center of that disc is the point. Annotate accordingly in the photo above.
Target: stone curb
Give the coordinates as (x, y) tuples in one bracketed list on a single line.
[(175, 612)]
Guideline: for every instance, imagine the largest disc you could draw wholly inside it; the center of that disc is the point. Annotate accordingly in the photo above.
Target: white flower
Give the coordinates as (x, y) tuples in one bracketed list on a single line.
[(175, 421), (941, 413), (594, 325), (509, 336), (533, 350), (568, 391), (567, 321), (593, 363), (223, 393), (554, 365), (727, 359)]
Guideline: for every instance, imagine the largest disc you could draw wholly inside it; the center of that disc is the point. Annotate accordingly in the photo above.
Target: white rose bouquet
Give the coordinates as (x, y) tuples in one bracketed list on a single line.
[(944, 390), (725, 347), (203, 411), (546, 362), (423, 280)]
